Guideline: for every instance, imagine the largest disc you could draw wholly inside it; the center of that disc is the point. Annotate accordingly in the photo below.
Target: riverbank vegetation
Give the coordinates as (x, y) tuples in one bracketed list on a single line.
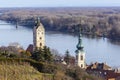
[(93, 21)]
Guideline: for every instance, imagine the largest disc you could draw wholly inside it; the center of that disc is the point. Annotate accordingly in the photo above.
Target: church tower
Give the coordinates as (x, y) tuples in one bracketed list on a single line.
[(80, 54), (38, 35)]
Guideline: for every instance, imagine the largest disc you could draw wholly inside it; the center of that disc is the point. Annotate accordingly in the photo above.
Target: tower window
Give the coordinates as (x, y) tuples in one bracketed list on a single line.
[(81, 65), (81, 57), (40, 37), (40, 44)]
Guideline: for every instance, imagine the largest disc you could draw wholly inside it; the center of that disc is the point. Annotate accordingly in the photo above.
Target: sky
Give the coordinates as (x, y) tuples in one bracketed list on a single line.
[(58, 3)]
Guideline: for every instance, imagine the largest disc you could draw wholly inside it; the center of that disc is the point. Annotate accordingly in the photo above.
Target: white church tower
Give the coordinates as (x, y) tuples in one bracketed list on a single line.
[(80, 54), (38, 35)]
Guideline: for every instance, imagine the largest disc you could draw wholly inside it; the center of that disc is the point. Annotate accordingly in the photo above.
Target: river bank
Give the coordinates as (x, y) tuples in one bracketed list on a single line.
[(92, 21)]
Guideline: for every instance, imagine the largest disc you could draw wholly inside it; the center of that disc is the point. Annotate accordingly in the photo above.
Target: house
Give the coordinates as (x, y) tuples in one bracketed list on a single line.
[(99, 66), (103, 70)]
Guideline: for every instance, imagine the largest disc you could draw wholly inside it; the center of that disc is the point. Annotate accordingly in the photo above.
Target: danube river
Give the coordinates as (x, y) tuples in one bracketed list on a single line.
[(97, 49)]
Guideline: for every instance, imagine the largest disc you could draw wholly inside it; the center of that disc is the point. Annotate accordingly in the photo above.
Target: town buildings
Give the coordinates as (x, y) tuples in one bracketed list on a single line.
[(103, 70)]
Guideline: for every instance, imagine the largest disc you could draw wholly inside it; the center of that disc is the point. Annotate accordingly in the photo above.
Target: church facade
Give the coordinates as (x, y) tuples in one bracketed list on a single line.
[(38, 35)]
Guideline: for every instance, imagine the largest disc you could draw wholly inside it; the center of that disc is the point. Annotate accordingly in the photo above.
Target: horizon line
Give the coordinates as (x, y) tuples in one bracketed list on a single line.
[(64, 7)]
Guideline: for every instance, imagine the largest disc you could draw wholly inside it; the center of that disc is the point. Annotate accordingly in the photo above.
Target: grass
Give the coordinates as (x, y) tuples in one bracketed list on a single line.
[(26, 69), (23, 71)]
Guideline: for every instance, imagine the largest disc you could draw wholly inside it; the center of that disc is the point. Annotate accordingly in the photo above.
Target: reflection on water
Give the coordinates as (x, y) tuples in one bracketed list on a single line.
[(115, 42), (97, 49)]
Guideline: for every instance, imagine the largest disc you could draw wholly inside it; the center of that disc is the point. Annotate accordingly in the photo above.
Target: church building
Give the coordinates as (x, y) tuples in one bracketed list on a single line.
[(38, 35), (80, 54)]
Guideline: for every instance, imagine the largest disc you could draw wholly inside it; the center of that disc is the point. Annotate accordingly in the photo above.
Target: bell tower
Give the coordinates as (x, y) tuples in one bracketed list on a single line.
[(80, 54), (38, 35)]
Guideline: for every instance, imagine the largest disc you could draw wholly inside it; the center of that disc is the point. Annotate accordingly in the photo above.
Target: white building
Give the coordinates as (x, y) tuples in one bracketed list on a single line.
[(80, 54), (38, 35)]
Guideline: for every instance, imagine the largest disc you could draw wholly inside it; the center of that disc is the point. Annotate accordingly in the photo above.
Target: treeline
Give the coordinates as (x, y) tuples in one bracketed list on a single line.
[(93, 21)]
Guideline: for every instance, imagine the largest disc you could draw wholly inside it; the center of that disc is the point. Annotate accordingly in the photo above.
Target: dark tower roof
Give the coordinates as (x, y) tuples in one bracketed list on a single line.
[(80, 45), (38, 23)]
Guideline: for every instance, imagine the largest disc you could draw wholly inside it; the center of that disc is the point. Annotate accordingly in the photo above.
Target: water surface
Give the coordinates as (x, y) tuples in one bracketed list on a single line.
[(97, 49)]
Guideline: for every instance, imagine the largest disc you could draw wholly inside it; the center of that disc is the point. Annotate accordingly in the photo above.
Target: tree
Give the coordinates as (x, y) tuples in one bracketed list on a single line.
[(47, 54), (67, 57), (38, 55), (43, 55), (114, 33), (56, 55)]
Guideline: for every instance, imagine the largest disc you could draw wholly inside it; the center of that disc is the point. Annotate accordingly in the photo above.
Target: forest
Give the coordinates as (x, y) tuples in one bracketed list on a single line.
[(94, 21)]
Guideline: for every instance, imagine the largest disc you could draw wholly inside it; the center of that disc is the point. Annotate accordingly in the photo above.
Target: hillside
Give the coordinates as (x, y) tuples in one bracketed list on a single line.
[(22, 71)]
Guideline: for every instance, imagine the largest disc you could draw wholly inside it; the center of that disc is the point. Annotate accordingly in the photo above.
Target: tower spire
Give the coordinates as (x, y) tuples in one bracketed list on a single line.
[(80, 45), (38, 21), (80, 54)]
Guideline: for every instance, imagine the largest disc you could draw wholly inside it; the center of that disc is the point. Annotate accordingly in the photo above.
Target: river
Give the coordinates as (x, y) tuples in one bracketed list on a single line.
[(97, 49)]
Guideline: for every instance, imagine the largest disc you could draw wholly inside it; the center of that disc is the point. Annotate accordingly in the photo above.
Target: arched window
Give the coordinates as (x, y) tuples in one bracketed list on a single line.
[(81, 65)]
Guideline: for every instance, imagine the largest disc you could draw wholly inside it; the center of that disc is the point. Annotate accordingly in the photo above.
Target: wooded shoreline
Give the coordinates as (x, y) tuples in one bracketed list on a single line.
[(103, 22)]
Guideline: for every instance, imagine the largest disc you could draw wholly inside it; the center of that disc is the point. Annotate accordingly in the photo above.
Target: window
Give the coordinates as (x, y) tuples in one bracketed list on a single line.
[(40, 37), (40, 44), (81, 65), (81, 57)]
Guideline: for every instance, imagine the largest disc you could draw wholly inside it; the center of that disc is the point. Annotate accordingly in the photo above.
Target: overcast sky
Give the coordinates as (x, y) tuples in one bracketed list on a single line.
[(58, 3)]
